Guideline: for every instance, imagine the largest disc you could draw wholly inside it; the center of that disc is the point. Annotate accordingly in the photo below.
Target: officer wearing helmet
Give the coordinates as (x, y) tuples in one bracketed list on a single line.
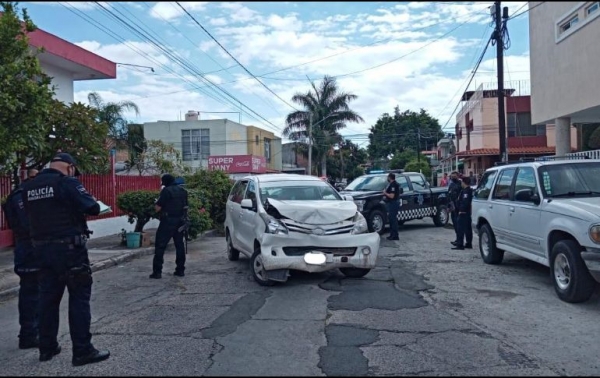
[(172, 207), (56, 204)]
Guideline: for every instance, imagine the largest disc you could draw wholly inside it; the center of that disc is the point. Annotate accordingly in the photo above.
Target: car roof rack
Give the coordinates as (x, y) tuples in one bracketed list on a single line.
[(567, 157)]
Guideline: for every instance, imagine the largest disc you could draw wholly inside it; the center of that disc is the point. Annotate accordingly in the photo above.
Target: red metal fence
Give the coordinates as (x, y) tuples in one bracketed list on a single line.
[(105, 188)]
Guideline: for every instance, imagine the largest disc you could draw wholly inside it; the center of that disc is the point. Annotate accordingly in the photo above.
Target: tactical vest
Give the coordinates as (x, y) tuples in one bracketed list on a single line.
[(14, 209), (177, 201), (50, 213)]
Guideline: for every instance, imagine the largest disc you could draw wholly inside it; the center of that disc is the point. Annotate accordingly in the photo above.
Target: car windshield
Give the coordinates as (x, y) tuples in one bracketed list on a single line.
[(368, 183), (298, 191), (570, 180)]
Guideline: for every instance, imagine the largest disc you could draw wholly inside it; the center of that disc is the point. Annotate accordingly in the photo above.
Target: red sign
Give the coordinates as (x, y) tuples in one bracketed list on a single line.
[(238, 163)]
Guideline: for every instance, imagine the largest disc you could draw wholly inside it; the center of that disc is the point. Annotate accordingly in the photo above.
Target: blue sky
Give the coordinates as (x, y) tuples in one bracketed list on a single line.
[(415, 55)]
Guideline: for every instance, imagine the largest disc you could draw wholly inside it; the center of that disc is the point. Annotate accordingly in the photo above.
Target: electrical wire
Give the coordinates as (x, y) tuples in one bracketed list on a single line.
[(526, 11)]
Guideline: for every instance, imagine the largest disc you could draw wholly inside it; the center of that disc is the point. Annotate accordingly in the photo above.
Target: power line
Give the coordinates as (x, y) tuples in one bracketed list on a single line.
[(232, 57), (526, 11)]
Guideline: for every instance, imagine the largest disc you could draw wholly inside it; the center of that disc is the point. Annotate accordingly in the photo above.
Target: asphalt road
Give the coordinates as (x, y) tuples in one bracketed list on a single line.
[(426, 310)]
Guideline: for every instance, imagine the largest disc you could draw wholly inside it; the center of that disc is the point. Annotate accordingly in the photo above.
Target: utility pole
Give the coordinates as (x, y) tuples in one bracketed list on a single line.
[(500, 20), (310, 124), (419, 145)]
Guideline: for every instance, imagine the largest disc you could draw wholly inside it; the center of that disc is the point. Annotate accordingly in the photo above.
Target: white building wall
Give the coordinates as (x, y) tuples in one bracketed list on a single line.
[(226, 137), (62, 81)]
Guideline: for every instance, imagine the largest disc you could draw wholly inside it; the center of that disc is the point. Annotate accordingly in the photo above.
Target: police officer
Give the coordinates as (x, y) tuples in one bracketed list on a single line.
[(172, 206), (56, 205), (454, 188), (26, 266), (392, 199), (464, 229)]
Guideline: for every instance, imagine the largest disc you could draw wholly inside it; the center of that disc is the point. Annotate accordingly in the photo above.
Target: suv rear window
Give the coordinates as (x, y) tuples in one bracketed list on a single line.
[(502, 190)]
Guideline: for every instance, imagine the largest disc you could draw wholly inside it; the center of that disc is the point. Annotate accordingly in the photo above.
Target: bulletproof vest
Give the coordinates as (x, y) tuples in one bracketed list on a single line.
[(454, 190), (50, 212), (178, 199), (14, 209)]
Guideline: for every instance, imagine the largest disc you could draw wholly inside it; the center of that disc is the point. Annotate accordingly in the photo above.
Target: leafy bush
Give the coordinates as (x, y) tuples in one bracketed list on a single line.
[(139, 206), (416, 166), (215, 185)]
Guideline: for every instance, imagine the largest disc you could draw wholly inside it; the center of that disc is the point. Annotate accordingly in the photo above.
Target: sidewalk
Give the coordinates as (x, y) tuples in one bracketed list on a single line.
[(104, 252)]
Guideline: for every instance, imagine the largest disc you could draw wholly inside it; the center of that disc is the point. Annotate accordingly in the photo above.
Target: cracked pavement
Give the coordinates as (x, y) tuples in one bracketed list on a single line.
[(425, 310)]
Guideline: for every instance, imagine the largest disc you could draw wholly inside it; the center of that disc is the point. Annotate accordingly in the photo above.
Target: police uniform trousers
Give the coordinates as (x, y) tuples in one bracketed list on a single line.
[(393, 207), (27, 267), (454, 217), (57, 261), (167, 229), (464, 230)]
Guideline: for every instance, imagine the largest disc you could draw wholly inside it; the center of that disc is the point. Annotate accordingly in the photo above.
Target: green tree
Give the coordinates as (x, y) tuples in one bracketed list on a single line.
[(159, 157), (136, 143), (400, 159), (25, 95), (330, 111), (403, 130), (73, 128), (345, 161), (112, 113), (419, 166)]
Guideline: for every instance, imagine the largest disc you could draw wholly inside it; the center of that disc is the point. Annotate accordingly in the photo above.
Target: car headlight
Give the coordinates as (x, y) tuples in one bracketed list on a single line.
[(595, 233), (360, 204), (273, 226), (360, 224)]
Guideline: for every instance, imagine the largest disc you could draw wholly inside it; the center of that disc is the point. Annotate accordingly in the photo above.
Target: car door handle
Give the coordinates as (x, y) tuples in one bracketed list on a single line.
[(511, 209), (491, 206)]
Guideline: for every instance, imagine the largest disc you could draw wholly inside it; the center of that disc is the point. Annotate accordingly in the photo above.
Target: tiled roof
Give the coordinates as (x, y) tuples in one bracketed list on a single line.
[(511, 151)]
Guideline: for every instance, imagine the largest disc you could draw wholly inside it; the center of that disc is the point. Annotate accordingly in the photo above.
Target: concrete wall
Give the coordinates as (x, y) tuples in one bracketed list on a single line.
[(564, 73), (256, 146), (62, 80)]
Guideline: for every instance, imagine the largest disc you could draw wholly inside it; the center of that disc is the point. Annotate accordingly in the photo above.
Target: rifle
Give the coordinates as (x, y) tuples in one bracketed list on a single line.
[(185, 226)]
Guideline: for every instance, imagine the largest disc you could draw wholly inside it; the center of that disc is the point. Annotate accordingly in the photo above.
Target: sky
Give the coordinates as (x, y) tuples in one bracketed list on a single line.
[(408, 54)]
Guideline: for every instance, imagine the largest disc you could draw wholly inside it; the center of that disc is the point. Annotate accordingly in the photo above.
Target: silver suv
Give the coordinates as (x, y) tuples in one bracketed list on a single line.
[(547, 212)]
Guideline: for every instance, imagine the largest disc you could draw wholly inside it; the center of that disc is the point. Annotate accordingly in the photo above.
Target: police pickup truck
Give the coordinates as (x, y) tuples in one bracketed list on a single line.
[(419, 200)]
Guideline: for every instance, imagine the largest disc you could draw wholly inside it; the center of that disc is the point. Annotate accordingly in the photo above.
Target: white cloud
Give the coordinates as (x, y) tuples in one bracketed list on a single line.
[(169, 11), (220, 21), (127, 53), (81, 5)]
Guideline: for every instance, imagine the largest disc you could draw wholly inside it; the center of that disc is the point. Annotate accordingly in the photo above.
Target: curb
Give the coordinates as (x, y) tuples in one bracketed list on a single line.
[(107, 263)]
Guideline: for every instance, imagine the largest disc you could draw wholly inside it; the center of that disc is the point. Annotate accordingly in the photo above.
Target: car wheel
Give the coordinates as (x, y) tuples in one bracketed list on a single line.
[(573, 282), (258, 270), (487, 246), (440, 219), (354, 272), (376, 221), (232, 253)]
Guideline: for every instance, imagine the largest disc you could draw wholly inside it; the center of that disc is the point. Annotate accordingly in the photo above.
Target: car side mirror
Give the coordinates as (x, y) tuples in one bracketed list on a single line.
[(536, 199), (247, 204), (527, 195), (349, 198)]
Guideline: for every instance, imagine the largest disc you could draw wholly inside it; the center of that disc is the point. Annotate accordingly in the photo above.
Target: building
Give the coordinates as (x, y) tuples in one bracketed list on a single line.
[(293, 161), (563, 39), (198, 140), (477, 136), (448, 162)]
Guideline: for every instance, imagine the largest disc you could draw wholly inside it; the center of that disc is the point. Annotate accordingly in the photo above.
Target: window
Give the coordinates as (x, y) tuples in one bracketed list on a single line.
[(519, 124), (485, 185), (251, 192), (418, 182), (298, 191), (570, 180), (237, 193), (569, 24), (592, 8), (526, 180), (502, 190), (403, 182), (268, 149), (195, 144), (256, 138)]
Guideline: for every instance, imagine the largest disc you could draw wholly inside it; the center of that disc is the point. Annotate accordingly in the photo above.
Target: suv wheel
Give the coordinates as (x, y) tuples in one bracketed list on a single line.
[(258, 270), (376, 221), (232, 253), (487, 246), (440, 219), (573, 283), (354, 272)]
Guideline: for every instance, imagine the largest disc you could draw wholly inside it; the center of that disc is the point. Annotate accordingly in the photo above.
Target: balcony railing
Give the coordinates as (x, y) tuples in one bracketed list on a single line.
[(512, 88)]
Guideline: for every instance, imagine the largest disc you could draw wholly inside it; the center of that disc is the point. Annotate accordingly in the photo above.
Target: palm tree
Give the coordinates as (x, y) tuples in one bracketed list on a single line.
[(330, 112), (113, 114)]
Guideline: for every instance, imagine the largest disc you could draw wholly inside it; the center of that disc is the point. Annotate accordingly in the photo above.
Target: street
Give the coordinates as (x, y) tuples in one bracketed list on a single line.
[(426, 310)]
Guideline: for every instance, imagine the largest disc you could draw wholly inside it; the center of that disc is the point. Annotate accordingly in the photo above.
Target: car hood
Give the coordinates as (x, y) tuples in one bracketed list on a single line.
[(315, 212), (583, 208)]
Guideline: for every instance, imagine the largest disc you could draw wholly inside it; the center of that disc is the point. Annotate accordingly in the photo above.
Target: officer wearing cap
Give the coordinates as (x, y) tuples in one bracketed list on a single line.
[(172, 206), (56, 204), (26, 266)]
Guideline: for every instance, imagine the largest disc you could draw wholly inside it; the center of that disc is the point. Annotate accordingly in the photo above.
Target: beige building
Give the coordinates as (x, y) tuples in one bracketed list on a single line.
[(564, 54)]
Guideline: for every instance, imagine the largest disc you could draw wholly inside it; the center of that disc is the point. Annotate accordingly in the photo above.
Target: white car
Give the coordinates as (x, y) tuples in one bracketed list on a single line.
[(288, 222), (547, 212)]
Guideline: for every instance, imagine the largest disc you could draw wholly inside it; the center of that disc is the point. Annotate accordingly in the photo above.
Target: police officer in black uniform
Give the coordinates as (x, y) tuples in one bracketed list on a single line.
[(464, 229), (56, 205), (392, 199), (454, 189), (27, 267), (172, 206)]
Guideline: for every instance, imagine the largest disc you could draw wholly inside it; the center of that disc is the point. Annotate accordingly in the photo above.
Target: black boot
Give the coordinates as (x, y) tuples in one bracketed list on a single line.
[(156, 275), (92, 357), (179, 273), (47, 356), (29, 343)]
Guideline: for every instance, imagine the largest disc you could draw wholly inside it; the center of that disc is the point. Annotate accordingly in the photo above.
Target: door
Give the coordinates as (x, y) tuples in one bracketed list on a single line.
[(499, 206), (234, 211), (422, 201), (405, 199), (525, 216), (247, 219)]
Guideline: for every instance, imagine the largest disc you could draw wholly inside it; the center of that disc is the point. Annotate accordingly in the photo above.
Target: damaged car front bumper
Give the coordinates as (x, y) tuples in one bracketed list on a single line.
[(319, 253)]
